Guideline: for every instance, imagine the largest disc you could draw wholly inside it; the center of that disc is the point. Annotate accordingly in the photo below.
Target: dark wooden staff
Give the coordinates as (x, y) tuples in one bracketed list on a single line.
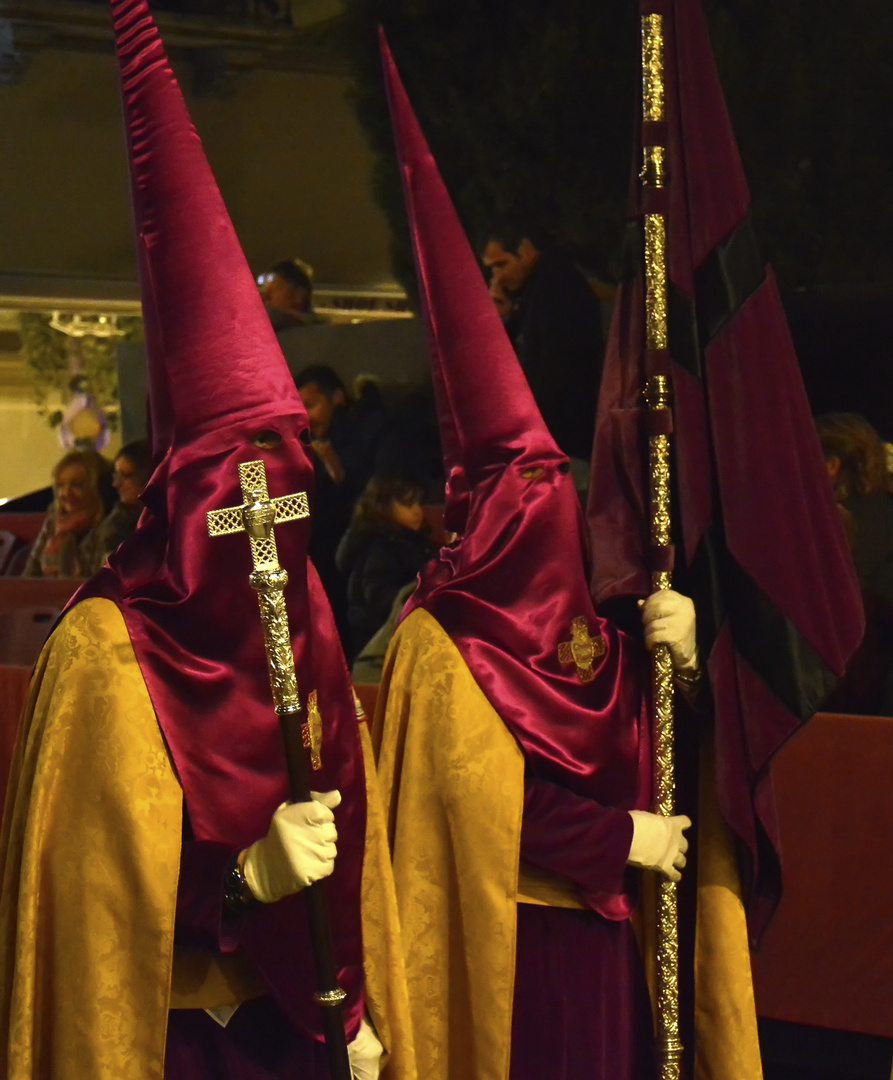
[(256, 517)]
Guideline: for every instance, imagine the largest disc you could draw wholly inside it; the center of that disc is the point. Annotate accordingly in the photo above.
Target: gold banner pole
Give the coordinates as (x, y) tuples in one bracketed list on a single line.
[(657, 396)]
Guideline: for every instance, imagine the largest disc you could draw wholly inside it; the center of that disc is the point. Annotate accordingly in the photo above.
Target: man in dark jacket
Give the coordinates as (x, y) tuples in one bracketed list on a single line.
[(556, 329), (348, 442)]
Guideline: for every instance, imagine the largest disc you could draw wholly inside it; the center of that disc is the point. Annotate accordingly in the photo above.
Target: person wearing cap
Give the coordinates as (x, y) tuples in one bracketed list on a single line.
[(512, 732), (151, 913)]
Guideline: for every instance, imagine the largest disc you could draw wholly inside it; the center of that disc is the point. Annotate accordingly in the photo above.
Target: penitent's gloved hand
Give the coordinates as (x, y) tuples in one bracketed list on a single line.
[(365, 1053), (658, 843), (669, 619), (298, 850)]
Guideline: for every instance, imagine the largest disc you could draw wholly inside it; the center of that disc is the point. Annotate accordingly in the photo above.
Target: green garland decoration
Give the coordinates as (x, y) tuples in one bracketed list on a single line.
[(47, 353)]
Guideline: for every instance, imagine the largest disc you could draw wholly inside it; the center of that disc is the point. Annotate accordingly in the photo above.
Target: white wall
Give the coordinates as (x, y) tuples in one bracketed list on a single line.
[(288, 154), (30, 447)]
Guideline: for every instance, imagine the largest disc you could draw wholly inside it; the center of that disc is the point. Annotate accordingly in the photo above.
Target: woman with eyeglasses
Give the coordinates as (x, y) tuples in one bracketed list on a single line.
[(133, 465)]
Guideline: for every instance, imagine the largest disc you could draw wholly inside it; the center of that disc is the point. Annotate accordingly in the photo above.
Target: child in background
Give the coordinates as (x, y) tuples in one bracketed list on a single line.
[(388, 542)]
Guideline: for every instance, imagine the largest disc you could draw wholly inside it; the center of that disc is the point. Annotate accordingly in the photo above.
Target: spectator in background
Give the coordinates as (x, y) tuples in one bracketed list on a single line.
[(65, 545), (133, 465), (857, 467), (505, 304), (888, 451), (367, 668), (385, 547), (288, 295), (348, 439), (556, 329)]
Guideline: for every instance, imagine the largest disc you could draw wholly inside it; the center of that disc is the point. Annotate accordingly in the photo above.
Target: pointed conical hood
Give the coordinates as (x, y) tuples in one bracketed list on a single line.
[(512, 592), (210, 347), (221, 398), (472, 360)]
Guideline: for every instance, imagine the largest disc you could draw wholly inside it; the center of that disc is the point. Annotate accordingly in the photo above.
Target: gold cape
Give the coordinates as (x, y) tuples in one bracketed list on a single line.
[(452, 779), (91, 848)]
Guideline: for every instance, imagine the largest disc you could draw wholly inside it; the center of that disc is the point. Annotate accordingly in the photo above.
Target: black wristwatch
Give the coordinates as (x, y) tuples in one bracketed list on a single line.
[(237, 894)]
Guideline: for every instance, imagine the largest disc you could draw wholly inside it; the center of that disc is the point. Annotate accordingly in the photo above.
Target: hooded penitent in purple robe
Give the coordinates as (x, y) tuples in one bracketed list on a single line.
[(533, 708), (174, 611)]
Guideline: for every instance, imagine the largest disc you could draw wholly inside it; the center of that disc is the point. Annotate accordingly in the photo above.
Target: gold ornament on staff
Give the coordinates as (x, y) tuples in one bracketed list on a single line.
[(256, 516), (657, 396)]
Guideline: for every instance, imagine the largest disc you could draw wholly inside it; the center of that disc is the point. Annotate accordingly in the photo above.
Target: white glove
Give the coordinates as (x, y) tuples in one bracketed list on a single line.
[(658, 843), (669, 619), (365, 1053), (298, 850)]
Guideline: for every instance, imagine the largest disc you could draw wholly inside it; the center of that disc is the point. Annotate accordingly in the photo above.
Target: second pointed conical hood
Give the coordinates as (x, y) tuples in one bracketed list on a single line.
[(211, 350), (512, 592), (486, 410)]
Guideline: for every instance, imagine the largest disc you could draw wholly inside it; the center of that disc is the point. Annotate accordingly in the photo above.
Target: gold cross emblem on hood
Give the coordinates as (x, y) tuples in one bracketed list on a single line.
[(582, 649)]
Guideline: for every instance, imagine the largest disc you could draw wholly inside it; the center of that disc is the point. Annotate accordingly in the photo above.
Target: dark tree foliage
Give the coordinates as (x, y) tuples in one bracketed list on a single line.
[(528, 107), (808, 87)]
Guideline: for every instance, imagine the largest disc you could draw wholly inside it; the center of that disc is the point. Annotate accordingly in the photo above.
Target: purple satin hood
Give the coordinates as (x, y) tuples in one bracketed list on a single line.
[(509, 590), (190, 613)]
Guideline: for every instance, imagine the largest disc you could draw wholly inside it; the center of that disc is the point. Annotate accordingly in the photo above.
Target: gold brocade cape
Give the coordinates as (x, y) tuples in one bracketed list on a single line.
[(91, 849), (452, 778)]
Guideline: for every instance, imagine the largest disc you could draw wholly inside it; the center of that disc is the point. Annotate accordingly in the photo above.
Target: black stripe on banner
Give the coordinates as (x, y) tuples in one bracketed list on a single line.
[(632, 251), (766, 638), (724, 281), (684, 334), (720, 587), (731, 273)]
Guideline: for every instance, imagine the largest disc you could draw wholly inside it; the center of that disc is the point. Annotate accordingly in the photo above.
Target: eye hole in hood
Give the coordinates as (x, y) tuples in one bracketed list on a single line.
[(535, 472), (267, 439)]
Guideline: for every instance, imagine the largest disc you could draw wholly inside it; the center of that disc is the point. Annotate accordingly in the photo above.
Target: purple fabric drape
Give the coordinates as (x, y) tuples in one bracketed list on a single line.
[(759, 545), (581, 1008), (257, 1044), (577, 839)]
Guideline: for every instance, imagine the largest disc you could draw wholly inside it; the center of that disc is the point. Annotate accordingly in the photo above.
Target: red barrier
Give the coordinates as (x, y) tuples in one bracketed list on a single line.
[(827, 957)]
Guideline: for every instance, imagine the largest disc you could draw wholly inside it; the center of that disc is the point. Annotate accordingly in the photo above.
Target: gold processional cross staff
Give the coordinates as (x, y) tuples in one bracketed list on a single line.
[(657, 397), (256, 516)]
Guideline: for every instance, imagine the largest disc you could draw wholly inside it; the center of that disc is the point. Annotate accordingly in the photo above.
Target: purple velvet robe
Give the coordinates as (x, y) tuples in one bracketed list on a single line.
[(581, 1008), (259, 1042)]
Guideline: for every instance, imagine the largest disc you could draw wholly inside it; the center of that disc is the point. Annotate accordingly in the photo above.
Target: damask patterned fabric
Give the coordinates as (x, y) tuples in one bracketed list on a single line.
[(727, 1044), (90, 850), (452, 779), (383, 964)]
